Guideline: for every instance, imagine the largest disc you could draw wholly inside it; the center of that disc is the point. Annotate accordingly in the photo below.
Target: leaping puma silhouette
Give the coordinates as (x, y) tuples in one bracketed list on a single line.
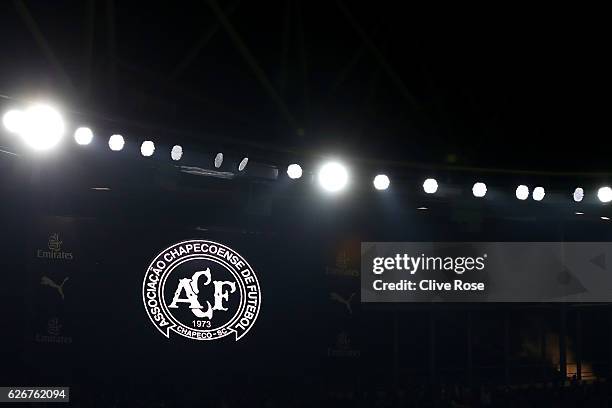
[(48, 282), (345, 302)]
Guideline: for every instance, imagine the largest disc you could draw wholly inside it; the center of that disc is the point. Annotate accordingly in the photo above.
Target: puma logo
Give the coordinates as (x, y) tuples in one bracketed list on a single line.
[(48, 282), (345, 302)]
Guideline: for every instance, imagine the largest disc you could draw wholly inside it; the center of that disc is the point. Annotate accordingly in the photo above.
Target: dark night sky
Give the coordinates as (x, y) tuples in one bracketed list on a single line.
[(513, 88)]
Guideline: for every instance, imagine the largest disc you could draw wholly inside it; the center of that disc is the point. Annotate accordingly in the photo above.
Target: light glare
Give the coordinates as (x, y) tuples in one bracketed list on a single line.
[(604, 194), (294, 171), (522, 192), (41, 127), (243, 164), (147, 148), (381, 182), (116, 143), (176, 153), (430, 186), (333, 177), (218, 160), (13, 120), (538, 193), (83, 136), (578, 194), (479, 189)]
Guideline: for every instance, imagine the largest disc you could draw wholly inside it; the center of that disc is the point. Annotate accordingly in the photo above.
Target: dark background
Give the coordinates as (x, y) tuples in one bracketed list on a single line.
[(297, 241), (506, 96)]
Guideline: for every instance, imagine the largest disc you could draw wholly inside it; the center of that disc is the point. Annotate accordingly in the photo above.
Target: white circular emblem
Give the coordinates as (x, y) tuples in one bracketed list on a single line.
[(201, 290)]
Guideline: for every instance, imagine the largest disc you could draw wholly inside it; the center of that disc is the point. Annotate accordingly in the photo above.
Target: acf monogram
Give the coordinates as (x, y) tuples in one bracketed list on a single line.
[(201, 290), (191, 289)]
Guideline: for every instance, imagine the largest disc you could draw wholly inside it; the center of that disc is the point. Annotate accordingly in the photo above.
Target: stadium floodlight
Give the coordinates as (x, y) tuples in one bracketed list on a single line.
[(218, 160), (522, 192), (430, 186), (333, 176), (381, 182), (605, 218), (83, 136), (579, 213), (604, 194), (41, 127), (116, 143), (13, 120), (147, 148), (243, 164), (294, 171), (479, 189), (578, 194), (538, 193), (176, 153)]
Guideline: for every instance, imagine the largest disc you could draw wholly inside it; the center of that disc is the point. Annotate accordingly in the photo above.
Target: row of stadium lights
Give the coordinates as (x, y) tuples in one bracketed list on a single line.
[(42, 127)]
